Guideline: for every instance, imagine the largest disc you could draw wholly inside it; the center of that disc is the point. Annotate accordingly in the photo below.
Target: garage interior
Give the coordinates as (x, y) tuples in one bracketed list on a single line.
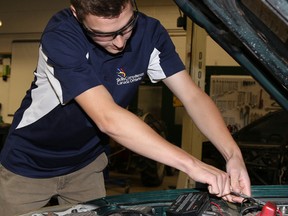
[(239, 97)]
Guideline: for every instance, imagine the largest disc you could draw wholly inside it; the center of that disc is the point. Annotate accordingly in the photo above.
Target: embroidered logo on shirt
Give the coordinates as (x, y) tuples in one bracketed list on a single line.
[(121, 73), (123, 79)]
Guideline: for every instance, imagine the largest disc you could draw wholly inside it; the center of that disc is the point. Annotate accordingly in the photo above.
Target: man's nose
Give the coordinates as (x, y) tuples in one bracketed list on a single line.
[(119, 41)]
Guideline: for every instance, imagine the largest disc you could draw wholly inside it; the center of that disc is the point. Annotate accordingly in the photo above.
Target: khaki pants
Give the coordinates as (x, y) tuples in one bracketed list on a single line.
[(19, 195)]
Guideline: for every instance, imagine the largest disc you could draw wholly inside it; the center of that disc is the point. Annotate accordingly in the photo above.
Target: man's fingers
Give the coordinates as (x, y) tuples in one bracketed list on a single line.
[(219, 184)]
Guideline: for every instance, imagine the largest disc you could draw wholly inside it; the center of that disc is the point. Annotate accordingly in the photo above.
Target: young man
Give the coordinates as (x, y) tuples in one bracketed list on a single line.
[(92, 58)]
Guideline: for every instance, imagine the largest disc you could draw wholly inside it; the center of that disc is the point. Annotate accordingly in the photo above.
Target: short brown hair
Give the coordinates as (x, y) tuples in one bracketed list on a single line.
[(103, 8)]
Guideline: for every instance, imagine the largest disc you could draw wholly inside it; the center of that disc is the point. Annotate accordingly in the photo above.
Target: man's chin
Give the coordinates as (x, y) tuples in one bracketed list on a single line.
[(113, 51)]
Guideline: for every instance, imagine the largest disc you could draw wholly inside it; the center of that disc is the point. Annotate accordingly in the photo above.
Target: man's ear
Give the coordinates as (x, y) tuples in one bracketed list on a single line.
[(73, 11)]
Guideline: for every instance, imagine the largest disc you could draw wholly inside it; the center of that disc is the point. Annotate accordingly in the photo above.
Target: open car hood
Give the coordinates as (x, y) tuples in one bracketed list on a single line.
[(254, 33)]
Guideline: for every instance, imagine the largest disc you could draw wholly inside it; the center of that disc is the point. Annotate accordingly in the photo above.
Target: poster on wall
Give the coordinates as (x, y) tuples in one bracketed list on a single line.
[(5, 66), (240, 99)]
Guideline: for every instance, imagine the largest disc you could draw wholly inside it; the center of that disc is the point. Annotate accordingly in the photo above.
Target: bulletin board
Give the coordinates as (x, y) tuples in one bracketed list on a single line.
[(240, 99)]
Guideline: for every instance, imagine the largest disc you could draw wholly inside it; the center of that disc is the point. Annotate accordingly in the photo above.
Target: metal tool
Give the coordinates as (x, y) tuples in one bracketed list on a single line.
[(260, 202)]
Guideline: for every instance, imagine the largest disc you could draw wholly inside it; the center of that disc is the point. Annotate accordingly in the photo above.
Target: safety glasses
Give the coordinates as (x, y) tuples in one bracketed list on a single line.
[(109, 36)]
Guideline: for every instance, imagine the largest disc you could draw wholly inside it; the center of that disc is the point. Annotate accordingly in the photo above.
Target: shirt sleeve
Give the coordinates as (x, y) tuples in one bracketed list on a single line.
[(164, 60), (68, 57)]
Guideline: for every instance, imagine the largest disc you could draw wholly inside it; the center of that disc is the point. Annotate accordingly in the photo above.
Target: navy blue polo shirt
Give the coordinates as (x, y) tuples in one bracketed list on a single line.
[(50, 134)]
